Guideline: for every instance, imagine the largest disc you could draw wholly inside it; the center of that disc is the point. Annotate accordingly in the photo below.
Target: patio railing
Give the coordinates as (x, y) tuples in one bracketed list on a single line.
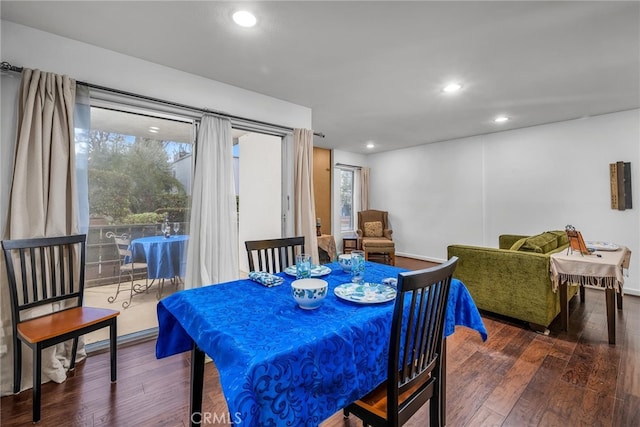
[(103, 261)]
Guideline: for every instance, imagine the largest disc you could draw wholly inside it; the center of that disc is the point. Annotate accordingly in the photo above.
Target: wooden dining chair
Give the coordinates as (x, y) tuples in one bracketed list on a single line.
[(49, 271), (416, 357), (127, 266), (273, 255)]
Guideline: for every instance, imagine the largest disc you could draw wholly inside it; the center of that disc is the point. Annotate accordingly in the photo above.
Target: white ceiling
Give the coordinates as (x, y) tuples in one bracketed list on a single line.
[(373, 71)]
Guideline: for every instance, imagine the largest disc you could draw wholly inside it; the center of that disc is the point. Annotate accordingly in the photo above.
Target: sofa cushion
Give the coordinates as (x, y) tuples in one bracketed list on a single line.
[(377, 242), (373, 229), (540, 243)]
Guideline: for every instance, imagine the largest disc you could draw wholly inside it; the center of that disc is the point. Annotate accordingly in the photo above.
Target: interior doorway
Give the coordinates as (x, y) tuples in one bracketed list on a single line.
[(322, 187)]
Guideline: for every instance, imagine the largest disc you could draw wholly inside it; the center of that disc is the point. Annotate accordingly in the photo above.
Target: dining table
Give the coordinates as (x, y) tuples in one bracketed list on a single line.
[(280, 364)]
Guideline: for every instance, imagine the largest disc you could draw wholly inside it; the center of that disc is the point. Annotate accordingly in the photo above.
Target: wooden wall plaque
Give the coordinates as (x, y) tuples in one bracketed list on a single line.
[(620, 180)]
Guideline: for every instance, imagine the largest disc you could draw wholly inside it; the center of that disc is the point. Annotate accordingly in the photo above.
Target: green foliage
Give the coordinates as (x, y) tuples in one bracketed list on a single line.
[(143, 218), (132, 176), (109, 193), (175, 214), (173, 200)]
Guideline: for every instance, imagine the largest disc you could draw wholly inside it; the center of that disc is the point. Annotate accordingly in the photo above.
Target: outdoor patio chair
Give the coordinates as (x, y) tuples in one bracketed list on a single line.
[(127, 266)]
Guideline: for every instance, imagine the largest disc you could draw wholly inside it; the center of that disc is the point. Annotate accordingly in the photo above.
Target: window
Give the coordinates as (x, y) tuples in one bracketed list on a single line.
[(346, 200)]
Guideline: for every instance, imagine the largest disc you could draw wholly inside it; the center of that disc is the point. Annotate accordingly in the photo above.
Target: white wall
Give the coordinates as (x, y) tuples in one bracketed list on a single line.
[(25, 47), (260, 191), (523, 181)]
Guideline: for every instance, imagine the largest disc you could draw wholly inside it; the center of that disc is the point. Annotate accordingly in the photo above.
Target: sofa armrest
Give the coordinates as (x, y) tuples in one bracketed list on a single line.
[(505, 241), (387, 233)]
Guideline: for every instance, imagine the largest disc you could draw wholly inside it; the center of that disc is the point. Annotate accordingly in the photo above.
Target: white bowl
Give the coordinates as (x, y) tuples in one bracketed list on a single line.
[(345, 262), (309, 293)]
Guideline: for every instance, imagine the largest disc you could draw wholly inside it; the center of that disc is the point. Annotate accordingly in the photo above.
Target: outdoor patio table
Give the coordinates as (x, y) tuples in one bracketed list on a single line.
[(165, 257), (280, 364)]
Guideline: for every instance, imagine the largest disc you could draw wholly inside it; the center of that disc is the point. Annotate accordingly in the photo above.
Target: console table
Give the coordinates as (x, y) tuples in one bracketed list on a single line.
[(600, 269)]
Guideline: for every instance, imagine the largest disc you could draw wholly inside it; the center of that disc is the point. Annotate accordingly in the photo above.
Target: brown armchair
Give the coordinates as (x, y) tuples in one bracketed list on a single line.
[(374, 234)]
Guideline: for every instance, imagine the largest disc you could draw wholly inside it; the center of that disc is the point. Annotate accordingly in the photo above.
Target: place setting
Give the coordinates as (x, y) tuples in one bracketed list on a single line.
[(309, 291), (359, 291)]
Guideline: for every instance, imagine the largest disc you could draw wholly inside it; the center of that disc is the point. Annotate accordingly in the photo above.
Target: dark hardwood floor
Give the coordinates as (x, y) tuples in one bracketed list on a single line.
[(516, 378)]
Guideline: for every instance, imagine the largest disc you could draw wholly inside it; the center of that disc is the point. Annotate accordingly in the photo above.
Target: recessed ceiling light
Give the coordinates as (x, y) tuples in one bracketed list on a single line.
[(244, 18), (370, 145), (501, 119), (452, 87), (154, 129)]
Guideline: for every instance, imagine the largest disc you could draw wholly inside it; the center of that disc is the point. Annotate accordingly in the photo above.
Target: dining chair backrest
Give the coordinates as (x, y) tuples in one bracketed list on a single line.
[(45, 270), (273, 255), (417, 332)]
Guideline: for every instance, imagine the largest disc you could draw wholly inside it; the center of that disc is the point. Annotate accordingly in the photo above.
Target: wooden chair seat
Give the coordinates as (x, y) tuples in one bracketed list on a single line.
[(376, 401), (64, 322)]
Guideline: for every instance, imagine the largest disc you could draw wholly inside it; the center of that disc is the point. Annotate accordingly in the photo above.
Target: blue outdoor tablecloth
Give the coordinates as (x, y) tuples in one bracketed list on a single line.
[(282, 365), (165, 257)]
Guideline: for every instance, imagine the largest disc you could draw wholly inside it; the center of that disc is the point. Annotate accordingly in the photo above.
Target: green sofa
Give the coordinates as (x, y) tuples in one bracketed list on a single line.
[(513, 280)]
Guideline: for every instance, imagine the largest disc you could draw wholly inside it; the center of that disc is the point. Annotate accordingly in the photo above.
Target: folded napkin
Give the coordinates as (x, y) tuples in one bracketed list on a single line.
[(266, 279)]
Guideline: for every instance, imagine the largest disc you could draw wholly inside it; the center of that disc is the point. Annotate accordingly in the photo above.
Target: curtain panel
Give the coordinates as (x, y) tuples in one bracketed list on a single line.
[(364, 188), (213, 243), (43, 200), (305, 218)]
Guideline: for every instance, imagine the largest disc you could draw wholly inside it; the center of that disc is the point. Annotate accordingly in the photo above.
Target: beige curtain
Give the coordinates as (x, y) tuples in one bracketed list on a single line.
[(364, 188), (304, 212), (43, 200)]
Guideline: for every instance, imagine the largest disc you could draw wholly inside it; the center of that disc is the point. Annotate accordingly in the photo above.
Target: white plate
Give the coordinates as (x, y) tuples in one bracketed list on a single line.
[(366, 293), (316, 270), (602, 246)]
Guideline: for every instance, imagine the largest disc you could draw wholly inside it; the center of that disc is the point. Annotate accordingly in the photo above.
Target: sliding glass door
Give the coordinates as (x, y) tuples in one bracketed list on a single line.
[(139, 172)]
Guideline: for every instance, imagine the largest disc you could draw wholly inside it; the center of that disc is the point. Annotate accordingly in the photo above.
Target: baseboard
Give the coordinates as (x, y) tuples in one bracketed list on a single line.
[(123, 341), (420, 257)]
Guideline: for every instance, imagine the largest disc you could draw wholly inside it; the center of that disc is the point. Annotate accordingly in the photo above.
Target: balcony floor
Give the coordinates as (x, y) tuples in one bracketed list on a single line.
[(139, 316)]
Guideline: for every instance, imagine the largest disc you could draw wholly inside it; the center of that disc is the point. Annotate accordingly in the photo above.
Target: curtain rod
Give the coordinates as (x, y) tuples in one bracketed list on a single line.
[(348, 166), (6, 66)]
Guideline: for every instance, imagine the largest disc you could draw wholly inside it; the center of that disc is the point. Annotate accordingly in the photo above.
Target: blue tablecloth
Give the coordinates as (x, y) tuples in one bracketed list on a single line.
[(166, 258), (281, 365)]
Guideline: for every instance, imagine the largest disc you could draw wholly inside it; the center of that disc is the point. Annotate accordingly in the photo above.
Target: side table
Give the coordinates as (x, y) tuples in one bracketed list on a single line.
[(601, 269), (349, 242)]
